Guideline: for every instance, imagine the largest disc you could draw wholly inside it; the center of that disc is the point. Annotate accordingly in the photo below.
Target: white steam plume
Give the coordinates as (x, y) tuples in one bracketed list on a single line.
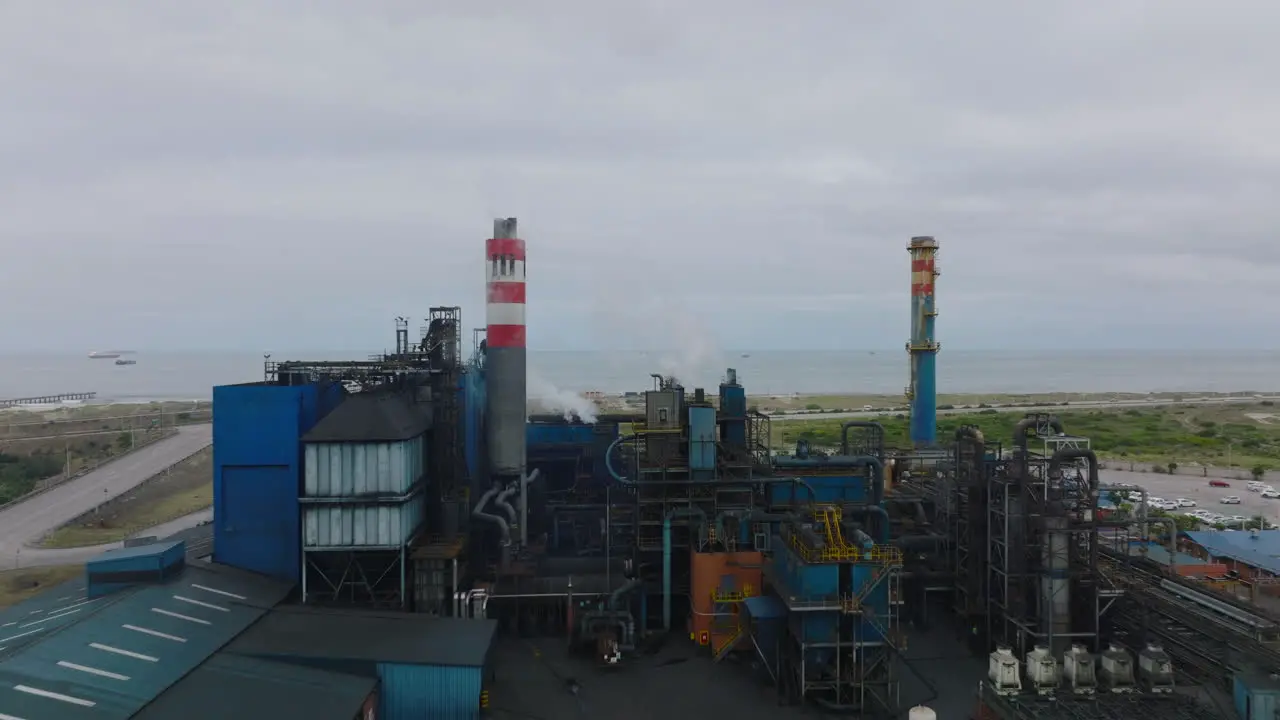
[(552, 398), (684, 345)]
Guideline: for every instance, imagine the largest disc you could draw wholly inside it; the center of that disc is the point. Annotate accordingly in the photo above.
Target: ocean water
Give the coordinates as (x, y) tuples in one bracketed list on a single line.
[(190, 376)]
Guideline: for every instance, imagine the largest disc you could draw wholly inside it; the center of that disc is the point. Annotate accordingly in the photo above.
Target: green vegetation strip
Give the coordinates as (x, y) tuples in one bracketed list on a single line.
[(19, 585), (1238, 435)]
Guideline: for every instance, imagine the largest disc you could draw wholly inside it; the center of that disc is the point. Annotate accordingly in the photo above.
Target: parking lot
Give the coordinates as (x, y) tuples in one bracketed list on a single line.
[(1197, 489)]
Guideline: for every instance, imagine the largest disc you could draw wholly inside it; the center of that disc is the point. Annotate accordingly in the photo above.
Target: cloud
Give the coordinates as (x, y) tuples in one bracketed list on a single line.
[(277, 169)]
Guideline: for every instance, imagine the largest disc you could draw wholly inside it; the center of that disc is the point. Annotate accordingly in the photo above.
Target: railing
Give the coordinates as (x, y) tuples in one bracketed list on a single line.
[(733, 596), (878, 554), (728, 644)]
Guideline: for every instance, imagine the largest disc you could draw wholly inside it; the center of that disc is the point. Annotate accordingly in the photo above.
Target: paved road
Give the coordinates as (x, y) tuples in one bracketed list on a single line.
[(27, 522), (55, 436), (1090, 405)]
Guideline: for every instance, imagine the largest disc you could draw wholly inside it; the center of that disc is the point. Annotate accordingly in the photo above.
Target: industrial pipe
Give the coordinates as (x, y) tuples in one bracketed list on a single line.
[(972, 434), (616, 596), (917, 543), (1146, 506), (1061, 456), (524, 505), (666, 558), (1025, 424), (608, 464), (502, 502), (844, 461), (879, 512), (792, 519), (877, 433), (479, 512)]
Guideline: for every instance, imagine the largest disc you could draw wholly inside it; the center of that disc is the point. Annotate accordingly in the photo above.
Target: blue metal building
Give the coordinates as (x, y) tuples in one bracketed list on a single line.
[(257, 459), (1256, 695), (841, 614), (429, 668), (1257, 548)]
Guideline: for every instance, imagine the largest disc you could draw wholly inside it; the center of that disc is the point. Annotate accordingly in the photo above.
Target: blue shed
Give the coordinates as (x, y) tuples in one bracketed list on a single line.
[(124, 567), (1257, 696), (257, 466), (429, 668)]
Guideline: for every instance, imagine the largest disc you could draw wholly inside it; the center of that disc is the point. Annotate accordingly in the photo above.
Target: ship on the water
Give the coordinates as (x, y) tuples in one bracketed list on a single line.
[(126, 362), (103, 354)]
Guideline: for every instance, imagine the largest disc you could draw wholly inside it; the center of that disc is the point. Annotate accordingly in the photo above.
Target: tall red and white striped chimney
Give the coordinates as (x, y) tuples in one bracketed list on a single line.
[(505, 358)]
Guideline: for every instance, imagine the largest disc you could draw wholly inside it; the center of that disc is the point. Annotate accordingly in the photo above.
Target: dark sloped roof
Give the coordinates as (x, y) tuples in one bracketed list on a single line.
[(245, 688), (389, 637), (105, 658), (372, 417)]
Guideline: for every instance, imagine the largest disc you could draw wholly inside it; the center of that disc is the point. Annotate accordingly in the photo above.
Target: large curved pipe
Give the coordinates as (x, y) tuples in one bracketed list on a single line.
[(608, 464), (502, 502), (616, 596), (972, 434), (1062, 456), (1025, 424), (666, 556), (479, 513), (524, 504), (882, 515), (877, 432)]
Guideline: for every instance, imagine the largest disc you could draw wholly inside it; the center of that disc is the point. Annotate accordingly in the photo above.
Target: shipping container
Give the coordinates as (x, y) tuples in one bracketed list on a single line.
[(257, 458), (121, 568)]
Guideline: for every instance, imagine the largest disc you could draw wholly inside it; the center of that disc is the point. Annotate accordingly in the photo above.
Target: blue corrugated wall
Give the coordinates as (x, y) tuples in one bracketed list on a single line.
[(429, 692), (473, 400), (257, 466)]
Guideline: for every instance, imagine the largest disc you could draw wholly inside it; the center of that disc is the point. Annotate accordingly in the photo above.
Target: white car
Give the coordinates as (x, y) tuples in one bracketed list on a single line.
[(1184, 502), (1230, 500), (1256, 486), (1270, 494)]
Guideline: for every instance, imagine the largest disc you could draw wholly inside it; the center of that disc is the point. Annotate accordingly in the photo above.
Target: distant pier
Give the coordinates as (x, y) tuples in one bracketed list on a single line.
[(47, 399)]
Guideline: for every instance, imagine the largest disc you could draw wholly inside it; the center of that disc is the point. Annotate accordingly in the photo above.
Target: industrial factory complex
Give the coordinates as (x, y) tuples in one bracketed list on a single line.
[(383, 528)]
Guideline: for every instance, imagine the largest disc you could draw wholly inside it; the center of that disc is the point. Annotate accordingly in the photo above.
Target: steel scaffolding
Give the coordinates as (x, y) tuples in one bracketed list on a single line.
[(1042, 548)]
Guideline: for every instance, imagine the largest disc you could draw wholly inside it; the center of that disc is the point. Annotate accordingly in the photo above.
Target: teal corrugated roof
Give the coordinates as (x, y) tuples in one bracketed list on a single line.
[(108, 657), (243, 688)]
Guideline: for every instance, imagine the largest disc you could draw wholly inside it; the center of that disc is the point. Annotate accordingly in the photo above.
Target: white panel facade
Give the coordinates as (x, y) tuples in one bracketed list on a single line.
[(354, 469), (362, 525)]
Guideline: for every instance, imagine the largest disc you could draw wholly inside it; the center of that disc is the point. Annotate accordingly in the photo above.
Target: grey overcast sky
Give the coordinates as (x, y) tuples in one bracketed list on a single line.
[(289, 174)]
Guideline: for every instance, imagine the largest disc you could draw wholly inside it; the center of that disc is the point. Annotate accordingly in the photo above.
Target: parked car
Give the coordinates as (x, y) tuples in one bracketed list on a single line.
[(1220, 483), (1230, 500), (1186, 502), (1270, 494)]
